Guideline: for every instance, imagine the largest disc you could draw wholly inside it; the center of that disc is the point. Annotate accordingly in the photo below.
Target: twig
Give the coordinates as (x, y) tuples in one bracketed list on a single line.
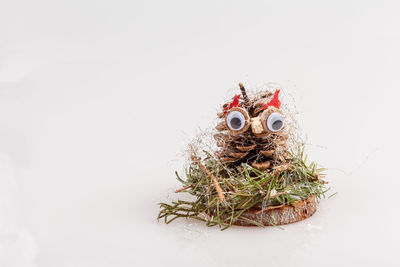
[(183, 188), (270, 208), (244, 94), (215, 180)]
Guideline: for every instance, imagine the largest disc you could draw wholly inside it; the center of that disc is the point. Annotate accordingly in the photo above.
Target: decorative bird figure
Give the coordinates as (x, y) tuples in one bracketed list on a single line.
[(252, 178), (253, 131)]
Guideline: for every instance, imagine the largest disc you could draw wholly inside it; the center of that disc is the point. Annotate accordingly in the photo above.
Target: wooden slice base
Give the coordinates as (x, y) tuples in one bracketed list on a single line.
[(280, 215)]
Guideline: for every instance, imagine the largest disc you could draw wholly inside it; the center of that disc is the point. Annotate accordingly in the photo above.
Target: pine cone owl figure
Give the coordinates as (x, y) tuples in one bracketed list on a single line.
[(252, 131), (252, 179)]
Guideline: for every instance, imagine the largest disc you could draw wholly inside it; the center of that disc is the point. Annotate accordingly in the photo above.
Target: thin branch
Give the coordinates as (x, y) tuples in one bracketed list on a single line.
[(215, 180), (270, 208), (244, 94), (183, 188)]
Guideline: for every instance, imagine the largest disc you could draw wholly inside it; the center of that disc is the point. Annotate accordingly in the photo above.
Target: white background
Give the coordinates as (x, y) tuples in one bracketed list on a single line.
[(98, 99)]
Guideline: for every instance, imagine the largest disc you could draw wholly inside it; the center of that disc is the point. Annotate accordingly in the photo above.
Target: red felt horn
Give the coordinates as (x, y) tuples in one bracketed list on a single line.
[(235, 103), (274, 102)]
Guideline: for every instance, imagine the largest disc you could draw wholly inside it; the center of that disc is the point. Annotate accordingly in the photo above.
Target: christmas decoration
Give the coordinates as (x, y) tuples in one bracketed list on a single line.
[(257, 176)]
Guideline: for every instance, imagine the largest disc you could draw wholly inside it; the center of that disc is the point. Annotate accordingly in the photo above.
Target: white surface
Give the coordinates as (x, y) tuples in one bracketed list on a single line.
[(97, 98)]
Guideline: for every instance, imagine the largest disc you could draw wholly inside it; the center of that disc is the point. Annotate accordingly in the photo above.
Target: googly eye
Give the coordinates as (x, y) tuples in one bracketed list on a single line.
[(237, 120), (275, 122)]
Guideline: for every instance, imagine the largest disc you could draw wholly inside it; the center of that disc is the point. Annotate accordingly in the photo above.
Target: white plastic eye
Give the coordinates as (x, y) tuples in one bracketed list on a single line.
[(235, 120), (275, 122)]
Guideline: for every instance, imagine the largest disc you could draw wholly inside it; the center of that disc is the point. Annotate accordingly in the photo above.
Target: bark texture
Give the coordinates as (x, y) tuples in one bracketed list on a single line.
[(280, 215)]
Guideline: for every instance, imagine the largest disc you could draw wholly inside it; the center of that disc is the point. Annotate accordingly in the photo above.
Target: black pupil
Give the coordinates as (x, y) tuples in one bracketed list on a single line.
[(236, 123), (277, 125)]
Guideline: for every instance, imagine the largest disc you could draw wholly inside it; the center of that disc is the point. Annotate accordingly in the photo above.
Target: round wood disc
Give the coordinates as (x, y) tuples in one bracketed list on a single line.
[(280, 215)]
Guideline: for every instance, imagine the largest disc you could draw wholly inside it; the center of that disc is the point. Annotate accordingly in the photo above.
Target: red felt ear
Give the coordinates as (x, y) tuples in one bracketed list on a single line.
[(274, 102), (235, 103)]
